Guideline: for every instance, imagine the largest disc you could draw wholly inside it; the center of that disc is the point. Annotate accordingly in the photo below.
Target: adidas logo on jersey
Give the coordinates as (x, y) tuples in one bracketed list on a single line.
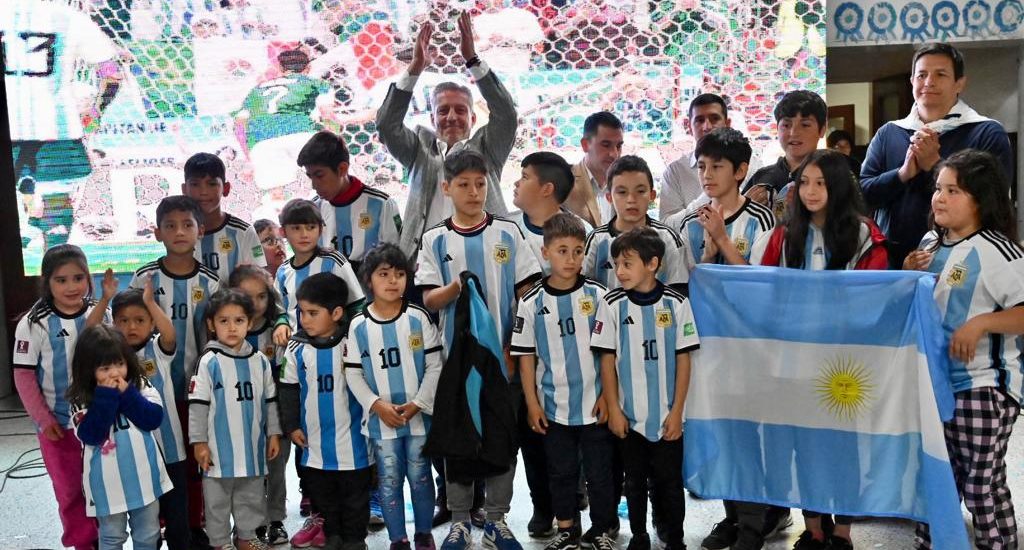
[(218, 386), (447, 258), (607, 265), (159, 291), (63, 333), (628, 320), (364, 355), (544, 311)]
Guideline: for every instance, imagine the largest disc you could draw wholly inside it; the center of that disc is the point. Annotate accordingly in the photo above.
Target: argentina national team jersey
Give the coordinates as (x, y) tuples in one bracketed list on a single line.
[(399, 361), (329, 415), (354, 228), (982, 273), (495, 251), (127, 471), (156, 365), (232, 244), (646, 333), (44, 341), (183, 298), (238, 389), (744, 228), (599, 265), (555, 325), (262, 339), (816, 254), (290, 277), (535, 235)]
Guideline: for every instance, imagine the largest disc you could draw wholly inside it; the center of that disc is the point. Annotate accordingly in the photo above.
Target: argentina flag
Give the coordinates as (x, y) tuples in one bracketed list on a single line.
[(824, 391)]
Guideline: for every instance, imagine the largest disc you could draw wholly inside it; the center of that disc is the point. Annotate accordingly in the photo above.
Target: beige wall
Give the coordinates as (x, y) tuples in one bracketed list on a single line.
[(858, 94), (992, 84)]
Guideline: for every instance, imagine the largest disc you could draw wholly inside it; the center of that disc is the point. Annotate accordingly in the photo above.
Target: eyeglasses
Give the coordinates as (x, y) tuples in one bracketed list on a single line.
[(270, 240)]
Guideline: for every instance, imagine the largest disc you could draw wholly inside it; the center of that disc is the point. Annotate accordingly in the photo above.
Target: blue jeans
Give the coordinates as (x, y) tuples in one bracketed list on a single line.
[(397, 460), (145, 523)]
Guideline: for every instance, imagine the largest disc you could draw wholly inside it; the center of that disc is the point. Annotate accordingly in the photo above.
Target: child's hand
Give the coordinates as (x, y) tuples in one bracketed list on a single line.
[(712, 222), (758, 193), (202, 454), (918, 260), (710, 249), (673, 427), (600, 410), (121, 384), (53, 432), (965, 340), (388, 413), (282, 334), (273, 447), (618, 424), (298, 438), (147, 291), (538, 422), (109, 285), (408, 410)]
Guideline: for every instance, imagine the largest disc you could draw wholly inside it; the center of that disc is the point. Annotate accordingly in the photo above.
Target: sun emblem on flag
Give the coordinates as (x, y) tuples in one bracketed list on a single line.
[(844, 387)]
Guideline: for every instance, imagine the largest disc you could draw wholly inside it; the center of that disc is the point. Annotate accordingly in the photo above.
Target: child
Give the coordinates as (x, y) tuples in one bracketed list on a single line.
[(494, 250), (543, 187), (136, 315), (273, 245), (44, 346), (256, 284), (227, 241), (356, 217), (115, 410), (974, 251), (631, 190), (320, 414), (646, 312), (396, 389), (233, 423), (554, 321), (723, 231)]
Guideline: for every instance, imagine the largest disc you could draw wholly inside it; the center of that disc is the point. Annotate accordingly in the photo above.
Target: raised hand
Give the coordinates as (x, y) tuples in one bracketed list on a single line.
[(109, 285), (466, 45), (421, 49)]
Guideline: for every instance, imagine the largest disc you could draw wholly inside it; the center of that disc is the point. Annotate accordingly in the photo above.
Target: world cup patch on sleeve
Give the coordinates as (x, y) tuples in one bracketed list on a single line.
[(517, 325), (21, 346)]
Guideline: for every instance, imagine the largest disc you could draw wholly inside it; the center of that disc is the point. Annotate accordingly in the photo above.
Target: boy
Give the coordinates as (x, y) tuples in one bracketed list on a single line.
[(801, 117), (320, 414), (227, 240), (553, 325), (356, 217), (494, 249), (650, 423)]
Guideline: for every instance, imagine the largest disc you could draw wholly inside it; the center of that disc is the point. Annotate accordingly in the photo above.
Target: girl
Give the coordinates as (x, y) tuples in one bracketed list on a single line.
[(255, 282), (273, 244), (974, 250), (114, 411), (396, 389), (44, 344), (824, 229), (233, 422)]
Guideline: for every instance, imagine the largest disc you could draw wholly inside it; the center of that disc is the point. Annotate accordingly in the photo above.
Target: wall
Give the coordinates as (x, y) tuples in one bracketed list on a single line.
[(992, 84), (858, 94)]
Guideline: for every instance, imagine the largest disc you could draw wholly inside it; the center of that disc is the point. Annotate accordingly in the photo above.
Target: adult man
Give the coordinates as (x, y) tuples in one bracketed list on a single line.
[(422, 151), (602, 145), (896, 176)]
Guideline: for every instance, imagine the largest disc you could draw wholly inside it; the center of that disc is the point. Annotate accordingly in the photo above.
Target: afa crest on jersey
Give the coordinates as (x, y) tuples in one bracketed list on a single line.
[(198, 294), (365, 221), (742, 245), (586, 304), (148, 367), (502, 253), (416, 340), (663, 317), (226, 245), (957, 276)]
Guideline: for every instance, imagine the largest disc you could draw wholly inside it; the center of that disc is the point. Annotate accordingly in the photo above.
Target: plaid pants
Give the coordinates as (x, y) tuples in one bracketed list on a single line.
[(976, 439)]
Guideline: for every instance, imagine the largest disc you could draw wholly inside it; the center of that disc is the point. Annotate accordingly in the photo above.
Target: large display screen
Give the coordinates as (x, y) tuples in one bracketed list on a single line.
[(107, 98)]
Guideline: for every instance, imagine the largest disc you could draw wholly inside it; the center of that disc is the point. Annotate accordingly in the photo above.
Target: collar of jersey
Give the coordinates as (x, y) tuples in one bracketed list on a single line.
[(263, 327), (736, 214), (535, 229), (471, 231), (615, 232), (317, 254), (189, 275), (349, 195), (246, 351), (227, 218), (954, 243), (646, 298), (366, 312), (319, 343), (580, 279), (75, 315)]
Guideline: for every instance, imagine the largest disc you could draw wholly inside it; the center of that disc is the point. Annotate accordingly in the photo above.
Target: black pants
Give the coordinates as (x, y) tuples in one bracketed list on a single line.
[(752, 515), (659, 462), (839, 520), (343, 499), (535, 462), (174, 508), (593, 445)]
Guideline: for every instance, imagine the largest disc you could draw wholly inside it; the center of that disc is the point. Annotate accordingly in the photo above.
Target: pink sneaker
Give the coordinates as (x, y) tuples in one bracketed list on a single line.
[(311, 534)]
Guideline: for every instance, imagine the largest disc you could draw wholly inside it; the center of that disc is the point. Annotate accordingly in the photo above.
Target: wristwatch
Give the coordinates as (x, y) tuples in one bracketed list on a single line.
[(472, 61)]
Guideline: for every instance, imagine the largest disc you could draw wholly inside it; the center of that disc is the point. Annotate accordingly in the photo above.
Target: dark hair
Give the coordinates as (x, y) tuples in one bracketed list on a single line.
[(300, 211), (629, 163), (982, 177), (450, 86), (844, 211), (99, 345), (940, 48), (54, 258), (803, 103), (127, 298), (293, 60), (205, 164), (643, 240), (248, 271), (465, 160), (383, 254), (835, 136), (178, 203), (563, 225), (600, 118), (326, 290), (724, 143), (325, 148), (552, 168), (263, 223), (707, 99), (227, 297)]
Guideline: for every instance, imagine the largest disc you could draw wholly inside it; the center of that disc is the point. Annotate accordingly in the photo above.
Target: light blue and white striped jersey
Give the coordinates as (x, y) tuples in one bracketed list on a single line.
[(982, 273), (535, 235), (495, 251), (555, 325), (183, 298), (397, 360), (599, 265), (239, 389), (127, 471), (290, 277), (45, 343), (354, 228), (156, 365), (816, 254), (329, 415), (43, 43), (646, 333), (224, 248), (744, 227), (262, 339)]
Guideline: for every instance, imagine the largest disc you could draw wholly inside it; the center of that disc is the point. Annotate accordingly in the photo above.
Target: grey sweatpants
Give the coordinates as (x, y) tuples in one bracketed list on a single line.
[(241, 498), (497, 496), (277, 493)]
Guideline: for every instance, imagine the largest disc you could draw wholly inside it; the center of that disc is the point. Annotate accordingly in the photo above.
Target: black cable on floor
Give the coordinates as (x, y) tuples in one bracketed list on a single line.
[(18, 469)]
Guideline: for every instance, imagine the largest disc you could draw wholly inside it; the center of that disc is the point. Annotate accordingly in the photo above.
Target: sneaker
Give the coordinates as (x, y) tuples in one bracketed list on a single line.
[(808, 542), (604, 542), (566, 539), (276, 534), (199, 540), (305, 507), (590, 537), (748, 539), (541, 526), (478, 518), (261, 533), (376, 516), (497, 536), (839, 543), (776, 520), (722, 536), (459, 538), (252, 544), (423, 541), (401, 545), (640, 542), (311, 534)]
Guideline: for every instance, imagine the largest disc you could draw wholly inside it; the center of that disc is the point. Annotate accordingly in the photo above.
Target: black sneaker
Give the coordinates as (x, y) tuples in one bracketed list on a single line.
[(541, 526), (565, 539), (808, 542), (640, 542), (776, 520), (722, 536), (604, 542), (478, 518), (442, 516), (199, 540), (748, 539), (588, 540), (276, 534), (261, 533), (839, 543)]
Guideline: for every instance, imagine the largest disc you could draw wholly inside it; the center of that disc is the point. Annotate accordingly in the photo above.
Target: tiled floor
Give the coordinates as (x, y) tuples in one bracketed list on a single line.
[(28, 512)]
